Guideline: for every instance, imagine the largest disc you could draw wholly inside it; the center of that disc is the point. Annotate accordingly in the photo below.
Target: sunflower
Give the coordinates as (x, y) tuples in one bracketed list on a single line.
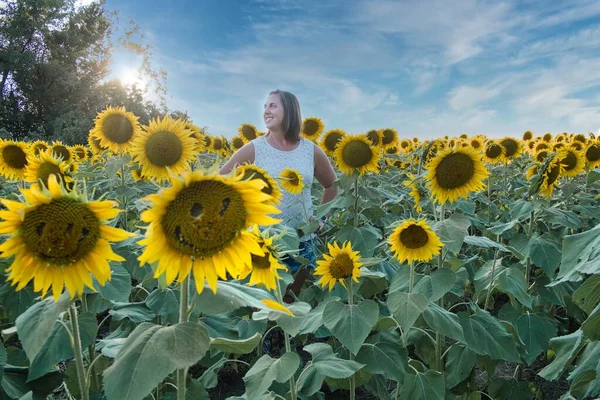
[(592, 154), (414, 241), (263, 269), (116, 129), (580, 138), (374, 136), (44, 165), (247, 132), (561, 138), (164, 147), (577, 145), (38, 146), (355, 153), (218, 145), (573, 162), (411, 183), (13, 159), (391, 150), (389, 138), (494, 153), (547, 137), (330, 140), (542, 146), (200, 224), (530, 146), (512, 147), (476, 144), (455, 173), (80, 153), (528, 135), (291, 180), (95, 144), (58, 239), (339, 265), (405, 145), (197, 135), (62, 151), (533, 170), (559, 145), (312, 127), (550, 175), (237, 143), (251, 171), (541, 155)]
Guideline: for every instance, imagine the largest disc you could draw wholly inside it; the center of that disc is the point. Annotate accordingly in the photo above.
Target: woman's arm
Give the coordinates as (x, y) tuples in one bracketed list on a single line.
[(245, 155), (325, 174)]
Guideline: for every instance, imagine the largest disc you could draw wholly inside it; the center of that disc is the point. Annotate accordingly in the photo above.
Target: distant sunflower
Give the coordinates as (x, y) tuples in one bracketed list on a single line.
[(44, 165), (476, 144), (237, 143), (573, 162), (38, 146), (494, 153), (340, 264), (355, 153), (200, 224), (164, 146), (550, 175), (592, 154), (541, 155), (389, 138), (247, 132), (391, 150), (197, 135), (560, 145), (62, 151), (330, 140), (218, 145), (264, 269), (405, 145), (533, 170), (80, 153), (58, 240), (561, 138), (512, 147), (547, 137), (251, 171), (542, 146), (95, 144), (291, 180), (530, 145), (374, 136), (13, 159), (580, 137), (207, 140), (312, 127), (414, 241), (577, 145), (412, 184), (455, 173), (528, 135), (117, 129)]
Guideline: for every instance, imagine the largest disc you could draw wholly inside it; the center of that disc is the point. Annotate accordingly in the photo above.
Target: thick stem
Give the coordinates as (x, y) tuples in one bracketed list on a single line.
[(125, 222), (288, 346), (438, 335), (351, 302), (183, 317), (529, 234), (356, 202), (411, 280), (85, 394), (91, 351), (489, 193)]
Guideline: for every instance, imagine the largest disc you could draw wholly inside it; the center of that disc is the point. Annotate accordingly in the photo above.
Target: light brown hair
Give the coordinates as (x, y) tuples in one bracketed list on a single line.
[(292, 118)]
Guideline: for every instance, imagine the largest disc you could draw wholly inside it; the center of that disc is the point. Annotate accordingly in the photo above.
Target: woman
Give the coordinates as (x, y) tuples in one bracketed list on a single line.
[(283, 147)]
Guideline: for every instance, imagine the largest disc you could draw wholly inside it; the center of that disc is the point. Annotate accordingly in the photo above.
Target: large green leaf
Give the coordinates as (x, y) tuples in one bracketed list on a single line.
[(266, 370), (545, 254), (291, 324), (164, 302), (229, 297), (150, 354), (35, 325), (460, 361), (423, 386), (566, 348), (362, 239), (485, 335), (587, 296), (16, 303), (452, 231), (387, 359), (407, 307), (509, 389), (579, 256), (135, 312), (436, 285), (535, 330), (591, 326), (328, 364), (14, 383), (443, 321), (483, 277), (314, 319), (119, 286), (351, 324), (512, 281), (482, 241), (236, 346)]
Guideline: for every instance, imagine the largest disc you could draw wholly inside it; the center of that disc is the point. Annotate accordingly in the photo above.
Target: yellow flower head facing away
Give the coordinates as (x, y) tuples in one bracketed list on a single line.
[(200, 225), (58, 240), (413, 240), (340, 264)]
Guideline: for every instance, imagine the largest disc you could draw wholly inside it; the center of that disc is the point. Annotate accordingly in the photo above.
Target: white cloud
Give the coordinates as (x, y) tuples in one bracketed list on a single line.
[(465, 97)]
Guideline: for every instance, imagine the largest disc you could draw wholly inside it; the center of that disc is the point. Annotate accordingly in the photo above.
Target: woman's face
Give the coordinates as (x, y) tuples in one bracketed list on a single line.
[(273, 114)]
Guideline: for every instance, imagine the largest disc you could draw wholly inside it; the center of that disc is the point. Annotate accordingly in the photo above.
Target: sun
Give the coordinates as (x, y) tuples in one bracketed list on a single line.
[(132, 77)]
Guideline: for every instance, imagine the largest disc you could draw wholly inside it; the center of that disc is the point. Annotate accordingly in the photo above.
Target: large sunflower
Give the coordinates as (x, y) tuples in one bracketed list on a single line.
[(264, 269), (62, 151), (41, 167), (251, 171), (340, 264), (573, 162), (164, 147), (512, 147), (247, 132), (312, 127), (291, 180), (330, 140), (389, 138), (116, 129), (355, 153), (494, 153), (200, 224), (454, 173), (58, 239), (414, 241), (13, 159), (592, 154)]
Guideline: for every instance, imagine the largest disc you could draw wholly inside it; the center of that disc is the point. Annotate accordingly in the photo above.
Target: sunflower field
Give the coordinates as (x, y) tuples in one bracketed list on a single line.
[(456, 268)]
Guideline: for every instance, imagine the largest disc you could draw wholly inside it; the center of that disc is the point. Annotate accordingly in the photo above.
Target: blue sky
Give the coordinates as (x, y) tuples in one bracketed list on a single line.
[(426, 68)]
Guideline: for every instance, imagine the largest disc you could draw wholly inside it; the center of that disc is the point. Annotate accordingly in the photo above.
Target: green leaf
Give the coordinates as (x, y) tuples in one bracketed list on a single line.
[(351, 324), (545, 254), (210, 377), (135, 312), (581, 383), (485, 335), (443, 321), (562, 218), (16, 303), (387, 359), (229, 297), (35, 325), (452, 231), (512, 281), (591, 326), (436, 285), (15, 385), (535, 330), (363, 240), (240, 346), (566, 348), (150, 354), (501, 228), (314, 319), (521, 208), (407, 307), (118, 288), (482, 241), (328, 364), (163, 302), (510, 389), (587, 296), (289, 324), (266, 370), (3, 358), (483, 277), (579, 256), (423, 386), (460, 361)]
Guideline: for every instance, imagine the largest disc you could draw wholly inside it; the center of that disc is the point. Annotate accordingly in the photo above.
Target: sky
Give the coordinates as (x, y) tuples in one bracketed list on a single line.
[(426, 68)]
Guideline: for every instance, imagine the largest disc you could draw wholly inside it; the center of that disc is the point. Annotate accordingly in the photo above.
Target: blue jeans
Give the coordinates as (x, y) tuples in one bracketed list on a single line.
[(306, 251)]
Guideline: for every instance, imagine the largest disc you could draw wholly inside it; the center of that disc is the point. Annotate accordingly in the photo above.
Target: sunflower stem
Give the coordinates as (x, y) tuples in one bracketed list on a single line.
[(438, 336), (529, 234), (91, 350), (85, 394), (183, 317), (489, 193), (288, 346), (356, 202), (411, 281), (490, 288), (124, 198), (351, 302)]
